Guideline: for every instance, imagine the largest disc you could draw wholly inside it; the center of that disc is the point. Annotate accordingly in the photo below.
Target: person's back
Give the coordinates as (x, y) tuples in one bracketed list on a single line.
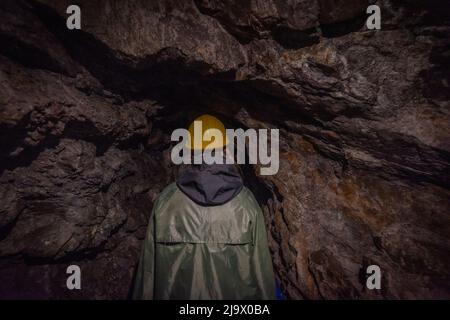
[(206, 240)]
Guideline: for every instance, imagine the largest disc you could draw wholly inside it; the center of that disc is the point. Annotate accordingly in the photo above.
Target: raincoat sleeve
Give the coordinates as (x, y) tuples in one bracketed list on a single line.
[(145, 275), (261, 260)]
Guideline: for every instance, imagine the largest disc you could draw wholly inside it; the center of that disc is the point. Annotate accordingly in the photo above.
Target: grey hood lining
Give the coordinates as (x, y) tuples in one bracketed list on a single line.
[(210, 185)]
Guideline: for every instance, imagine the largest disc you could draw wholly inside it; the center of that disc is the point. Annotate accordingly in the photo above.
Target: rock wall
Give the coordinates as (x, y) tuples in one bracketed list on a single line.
[(86, 117)]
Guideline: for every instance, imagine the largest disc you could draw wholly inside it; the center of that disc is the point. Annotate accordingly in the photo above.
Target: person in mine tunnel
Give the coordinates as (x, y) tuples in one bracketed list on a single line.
[(206, 238)]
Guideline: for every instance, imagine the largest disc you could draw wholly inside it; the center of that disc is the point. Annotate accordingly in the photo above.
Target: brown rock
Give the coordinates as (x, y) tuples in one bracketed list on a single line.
[(86, 118)]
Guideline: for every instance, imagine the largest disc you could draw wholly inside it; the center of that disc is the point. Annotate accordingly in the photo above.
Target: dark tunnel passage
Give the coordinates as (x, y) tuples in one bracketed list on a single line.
[(86, 118), (180, 91)]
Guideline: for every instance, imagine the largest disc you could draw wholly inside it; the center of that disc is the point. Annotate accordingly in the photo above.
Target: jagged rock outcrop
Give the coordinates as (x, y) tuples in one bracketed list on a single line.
[(86, 117)]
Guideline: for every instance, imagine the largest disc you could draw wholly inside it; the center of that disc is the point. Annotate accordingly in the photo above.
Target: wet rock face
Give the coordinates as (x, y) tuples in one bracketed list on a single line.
[(86, 117)]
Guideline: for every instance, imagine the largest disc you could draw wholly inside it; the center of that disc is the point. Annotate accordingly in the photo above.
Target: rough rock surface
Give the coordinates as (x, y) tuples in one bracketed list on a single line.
[(86, 116)]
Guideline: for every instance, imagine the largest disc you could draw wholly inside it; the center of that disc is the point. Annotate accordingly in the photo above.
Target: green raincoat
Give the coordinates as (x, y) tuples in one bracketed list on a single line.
[(193, 251)]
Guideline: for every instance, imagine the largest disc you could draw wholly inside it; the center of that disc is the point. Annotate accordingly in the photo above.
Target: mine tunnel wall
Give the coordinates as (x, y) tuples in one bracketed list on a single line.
[(86, 118)]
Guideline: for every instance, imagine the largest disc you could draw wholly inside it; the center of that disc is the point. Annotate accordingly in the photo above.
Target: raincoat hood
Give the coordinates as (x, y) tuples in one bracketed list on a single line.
[(210, 185)]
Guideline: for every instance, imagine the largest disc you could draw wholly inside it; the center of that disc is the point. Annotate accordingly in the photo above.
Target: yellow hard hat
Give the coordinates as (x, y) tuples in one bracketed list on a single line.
[(208, 138)]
